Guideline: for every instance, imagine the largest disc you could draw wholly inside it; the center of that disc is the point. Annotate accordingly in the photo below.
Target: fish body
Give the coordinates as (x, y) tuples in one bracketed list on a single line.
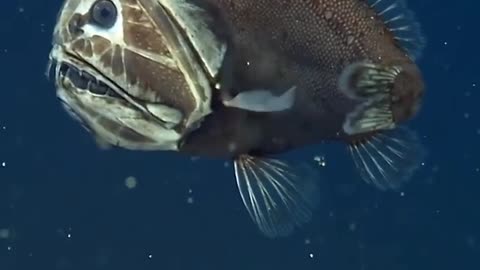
[(309, 44), (247, 80)]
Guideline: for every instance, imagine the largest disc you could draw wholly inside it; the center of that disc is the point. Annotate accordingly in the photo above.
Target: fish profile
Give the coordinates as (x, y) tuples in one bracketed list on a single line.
[(248, 80)]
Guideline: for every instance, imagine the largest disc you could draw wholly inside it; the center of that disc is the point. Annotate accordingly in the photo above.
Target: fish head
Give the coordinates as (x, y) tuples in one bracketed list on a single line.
[(407, 93), (126, 69)]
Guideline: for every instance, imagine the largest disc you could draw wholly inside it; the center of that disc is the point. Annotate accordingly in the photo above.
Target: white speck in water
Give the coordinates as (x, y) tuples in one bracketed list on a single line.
[(4, 164), (402, 194), (307, 241), (4, 233), (69, 235), (9, 248), (320, 160), (131, 182), (190, 199), (310, 255), (352, 227), (150, 256)]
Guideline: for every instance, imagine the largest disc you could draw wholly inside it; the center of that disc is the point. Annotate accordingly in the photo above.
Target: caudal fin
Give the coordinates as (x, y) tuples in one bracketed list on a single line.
[(277, 196), (371, 84)]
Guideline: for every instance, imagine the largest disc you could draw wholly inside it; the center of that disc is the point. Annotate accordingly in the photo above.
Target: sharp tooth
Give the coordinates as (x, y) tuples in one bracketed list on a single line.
[(75, 77), (98, 88), (63, 68)]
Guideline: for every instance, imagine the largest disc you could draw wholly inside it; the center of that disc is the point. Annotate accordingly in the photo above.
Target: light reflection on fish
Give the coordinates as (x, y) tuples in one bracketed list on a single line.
[(248, 80)]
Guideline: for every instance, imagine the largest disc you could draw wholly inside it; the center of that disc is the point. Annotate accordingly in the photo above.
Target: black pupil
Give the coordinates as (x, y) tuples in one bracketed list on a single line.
[(104, 13)]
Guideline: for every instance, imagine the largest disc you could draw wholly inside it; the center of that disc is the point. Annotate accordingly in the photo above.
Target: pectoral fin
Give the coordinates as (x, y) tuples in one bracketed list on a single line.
[(262, 101), (277, 196)]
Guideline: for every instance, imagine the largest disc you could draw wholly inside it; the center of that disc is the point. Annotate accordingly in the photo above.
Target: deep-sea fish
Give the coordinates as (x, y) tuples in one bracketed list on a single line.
[(248, 80)]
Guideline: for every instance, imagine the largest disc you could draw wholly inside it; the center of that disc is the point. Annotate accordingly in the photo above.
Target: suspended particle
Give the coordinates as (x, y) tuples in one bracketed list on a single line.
[(131, 182), (320, 160)]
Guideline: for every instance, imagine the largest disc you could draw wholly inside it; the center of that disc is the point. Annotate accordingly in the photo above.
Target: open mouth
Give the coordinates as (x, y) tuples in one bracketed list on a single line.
[(84, 81)]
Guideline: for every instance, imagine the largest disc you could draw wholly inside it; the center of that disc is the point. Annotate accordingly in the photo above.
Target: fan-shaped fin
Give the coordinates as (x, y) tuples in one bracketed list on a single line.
[(277, 196), (388, 159), (372, 84), (401, 22)]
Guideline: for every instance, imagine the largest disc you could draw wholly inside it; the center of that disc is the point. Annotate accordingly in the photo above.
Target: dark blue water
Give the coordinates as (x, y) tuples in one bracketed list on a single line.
[(64, 203)]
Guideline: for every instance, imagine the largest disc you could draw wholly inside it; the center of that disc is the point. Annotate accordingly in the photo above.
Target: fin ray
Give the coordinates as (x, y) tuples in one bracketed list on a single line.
[(276, 198), (388, 159), (371, 85), (368, 117), (402, 23)]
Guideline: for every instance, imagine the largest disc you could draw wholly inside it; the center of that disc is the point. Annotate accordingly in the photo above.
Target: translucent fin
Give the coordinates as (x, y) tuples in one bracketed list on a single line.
[(262, 101), (388, 159), (401, 22), (277, 198), (371, 84)]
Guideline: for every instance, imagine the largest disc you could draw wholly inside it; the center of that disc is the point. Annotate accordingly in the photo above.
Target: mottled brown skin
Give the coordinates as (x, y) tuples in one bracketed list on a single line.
[(280, 43)]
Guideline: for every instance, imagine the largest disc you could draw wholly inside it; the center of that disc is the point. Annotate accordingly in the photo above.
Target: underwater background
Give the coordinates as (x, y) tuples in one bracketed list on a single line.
[(66, 204)]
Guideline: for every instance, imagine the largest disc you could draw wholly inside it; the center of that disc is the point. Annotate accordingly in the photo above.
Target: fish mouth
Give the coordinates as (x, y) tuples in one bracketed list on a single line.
[(103, 108), (85, 81), (73, 81), (72, 73)]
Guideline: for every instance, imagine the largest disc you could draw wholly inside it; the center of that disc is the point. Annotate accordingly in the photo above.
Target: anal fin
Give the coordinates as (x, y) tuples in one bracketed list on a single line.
[(388, 159), (277, 196)]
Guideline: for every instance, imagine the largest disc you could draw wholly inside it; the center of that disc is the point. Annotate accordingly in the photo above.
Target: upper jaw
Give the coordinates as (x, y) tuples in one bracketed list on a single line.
[(60, 58)]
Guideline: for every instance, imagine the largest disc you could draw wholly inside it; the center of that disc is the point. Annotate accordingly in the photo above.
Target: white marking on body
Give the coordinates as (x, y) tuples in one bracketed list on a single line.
[(263, 101)]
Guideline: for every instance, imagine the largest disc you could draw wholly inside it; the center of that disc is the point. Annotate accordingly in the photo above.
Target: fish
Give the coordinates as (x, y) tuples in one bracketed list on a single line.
[(249, 81)]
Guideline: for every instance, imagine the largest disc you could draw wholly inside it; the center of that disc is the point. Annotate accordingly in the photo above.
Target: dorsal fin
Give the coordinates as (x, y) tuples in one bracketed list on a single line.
[(401, 22)]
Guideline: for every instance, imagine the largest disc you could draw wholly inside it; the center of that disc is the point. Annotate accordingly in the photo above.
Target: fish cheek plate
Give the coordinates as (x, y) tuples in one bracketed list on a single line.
[(148, 60)]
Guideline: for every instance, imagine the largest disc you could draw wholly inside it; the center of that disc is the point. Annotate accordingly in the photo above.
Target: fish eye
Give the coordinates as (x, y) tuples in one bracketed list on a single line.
[(104, 13)]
